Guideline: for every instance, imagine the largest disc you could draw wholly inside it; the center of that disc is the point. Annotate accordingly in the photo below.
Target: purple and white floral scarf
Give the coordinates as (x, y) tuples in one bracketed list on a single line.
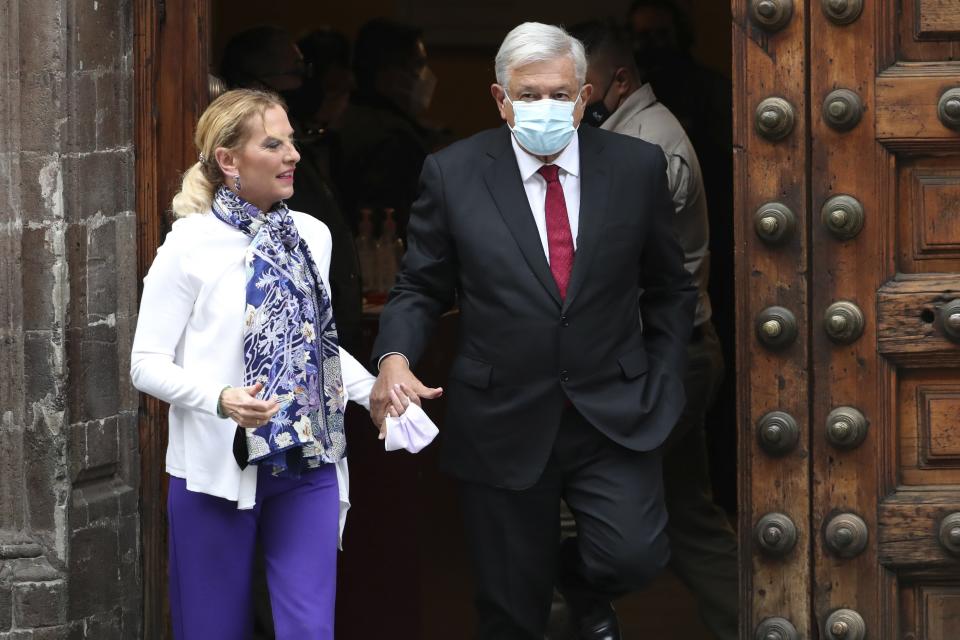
[(289, 341)]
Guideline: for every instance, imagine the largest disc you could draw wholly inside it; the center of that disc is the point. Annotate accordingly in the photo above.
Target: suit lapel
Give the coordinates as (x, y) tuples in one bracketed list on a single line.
[(594, 189), (503, 180)]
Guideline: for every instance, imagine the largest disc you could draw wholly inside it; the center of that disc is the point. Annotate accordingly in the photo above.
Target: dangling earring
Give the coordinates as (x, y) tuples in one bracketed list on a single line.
[(236, 182)]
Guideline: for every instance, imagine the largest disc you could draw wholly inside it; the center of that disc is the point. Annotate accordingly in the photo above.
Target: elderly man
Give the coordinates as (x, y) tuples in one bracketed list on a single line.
[(704, 546), (555, 240)]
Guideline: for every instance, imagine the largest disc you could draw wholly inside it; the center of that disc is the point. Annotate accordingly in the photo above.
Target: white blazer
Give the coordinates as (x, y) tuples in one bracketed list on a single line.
[(189, 346)]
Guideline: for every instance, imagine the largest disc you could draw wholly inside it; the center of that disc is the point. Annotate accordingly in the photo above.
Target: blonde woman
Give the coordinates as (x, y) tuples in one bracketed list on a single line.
[(236, 333)]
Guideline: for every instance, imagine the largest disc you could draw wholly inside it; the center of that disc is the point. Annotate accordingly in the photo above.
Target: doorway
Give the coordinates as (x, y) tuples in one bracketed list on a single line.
[(428, 592)]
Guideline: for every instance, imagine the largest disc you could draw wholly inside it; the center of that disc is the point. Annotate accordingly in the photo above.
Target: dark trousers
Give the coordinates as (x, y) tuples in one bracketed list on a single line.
[(616, 496), (702, 542)]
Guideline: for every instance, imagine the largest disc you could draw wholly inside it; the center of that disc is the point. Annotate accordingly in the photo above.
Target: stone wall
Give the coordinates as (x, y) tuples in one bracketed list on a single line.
[(69, 464)]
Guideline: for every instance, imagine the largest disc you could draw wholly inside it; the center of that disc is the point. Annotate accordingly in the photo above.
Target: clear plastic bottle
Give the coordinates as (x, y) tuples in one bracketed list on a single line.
[(399, 248), (387, 259)]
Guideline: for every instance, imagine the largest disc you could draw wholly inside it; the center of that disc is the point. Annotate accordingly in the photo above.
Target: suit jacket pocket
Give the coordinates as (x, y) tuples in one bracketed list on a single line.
[(475, 373), (634, 363)]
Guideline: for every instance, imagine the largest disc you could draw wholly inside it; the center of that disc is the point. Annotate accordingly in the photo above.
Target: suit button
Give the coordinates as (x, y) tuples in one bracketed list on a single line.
[(564, 376), (564, 321)]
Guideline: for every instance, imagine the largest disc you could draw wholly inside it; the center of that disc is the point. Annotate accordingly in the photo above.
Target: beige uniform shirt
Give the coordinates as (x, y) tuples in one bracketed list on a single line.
[(641, 116)]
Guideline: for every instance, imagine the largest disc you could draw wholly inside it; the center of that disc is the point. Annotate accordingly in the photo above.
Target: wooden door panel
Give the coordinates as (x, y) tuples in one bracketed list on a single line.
[(772, 66), (918, 458), (925, 29), (921, 458), (929, 406), (848, 160), (910, 313), (929, 239), (897, 272), (931, 612), (909, 533), (171, 59), (906, 108), (937, 19)]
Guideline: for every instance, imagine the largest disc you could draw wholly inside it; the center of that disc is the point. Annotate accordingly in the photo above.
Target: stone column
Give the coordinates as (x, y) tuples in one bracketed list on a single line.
[(69, 465)]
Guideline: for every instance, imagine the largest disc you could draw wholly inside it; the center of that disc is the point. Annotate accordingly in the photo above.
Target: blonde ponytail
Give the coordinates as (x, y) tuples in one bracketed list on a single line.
[(222, 125), (196, 192)]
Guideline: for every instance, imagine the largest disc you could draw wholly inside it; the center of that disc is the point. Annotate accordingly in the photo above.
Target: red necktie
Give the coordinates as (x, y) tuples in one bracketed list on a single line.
[(559, 237)]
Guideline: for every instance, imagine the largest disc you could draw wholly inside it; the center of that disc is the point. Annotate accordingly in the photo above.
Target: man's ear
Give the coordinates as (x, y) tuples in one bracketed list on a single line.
[(499, 96), (585, 93), (581, 105), (621, 78)]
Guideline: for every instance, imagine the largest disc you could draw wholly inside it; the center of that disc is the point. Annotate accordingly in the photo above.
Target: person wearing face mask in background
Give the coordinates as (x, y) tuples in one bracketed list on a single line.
[(703, 544), (383, 136), (555, 239), (326, 90), (662, 37)]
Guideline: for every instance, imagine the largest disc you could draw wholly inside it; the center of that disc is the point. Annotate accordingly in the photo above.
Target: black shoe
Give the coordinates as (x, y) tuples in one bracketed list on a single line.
[(594, 620), (602, 624)]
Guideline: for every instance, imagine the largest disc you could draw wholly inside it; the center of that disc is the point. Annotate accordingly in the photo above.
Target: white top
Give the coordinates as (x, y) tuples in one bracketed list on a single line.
[(536, 186), (189, 346)]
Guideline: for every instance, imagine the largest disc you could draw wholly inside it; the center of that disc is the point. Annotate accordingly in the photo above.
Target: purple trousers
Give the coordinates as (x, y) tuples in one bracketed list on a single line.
[(212, 551)]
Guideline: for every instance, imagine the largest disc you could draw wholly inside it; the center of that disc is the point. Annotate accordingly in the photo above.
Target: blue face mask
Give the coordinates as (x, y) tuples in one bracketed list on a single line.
[(543, 127)]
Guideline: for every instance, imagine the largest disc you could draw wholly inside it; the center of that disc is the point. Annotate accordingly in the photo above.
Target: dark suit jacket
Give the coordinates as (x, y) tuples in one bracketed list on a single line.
[(522, 351), (380, 156)]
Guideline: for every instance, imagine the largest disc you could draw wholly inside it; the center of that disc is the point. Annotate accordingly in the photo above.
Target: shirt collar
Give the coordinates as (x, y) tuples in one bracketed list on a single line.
[(568, 160), (639, 100)]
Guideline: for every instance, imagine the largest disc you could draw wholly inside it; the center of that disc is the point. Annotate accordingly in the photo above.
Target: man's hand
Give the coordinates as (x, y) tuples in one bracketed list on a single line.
[(401, 397), (394, 383), (241, 405)]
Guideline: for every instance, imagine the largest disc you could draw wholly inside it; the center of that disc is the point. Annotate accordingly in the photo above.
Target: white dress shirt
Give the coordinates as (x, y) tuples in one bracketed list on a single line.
[(536, 186)]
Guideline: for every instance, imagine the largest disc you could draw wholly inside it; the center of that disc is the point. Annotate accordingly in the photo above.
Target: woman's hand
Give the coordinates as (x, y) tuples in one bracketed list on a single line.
[(241, 405), (399, 398)]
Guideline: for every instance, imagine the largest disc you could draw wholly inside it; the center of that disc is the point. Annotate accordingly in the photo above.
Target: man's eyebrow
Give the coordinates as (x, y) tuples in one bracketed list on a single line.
[(553, 89)]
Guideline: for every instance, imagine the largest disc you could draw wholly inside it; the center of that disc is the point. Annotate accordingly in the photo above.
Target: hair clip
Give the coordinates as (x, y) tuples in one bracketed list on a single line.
[(203, 158)]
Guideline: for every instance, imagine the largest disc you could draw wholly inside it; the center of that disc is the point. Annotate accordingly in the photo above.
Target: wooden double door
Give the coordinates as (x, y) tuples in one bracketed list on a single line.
[(847, 165)]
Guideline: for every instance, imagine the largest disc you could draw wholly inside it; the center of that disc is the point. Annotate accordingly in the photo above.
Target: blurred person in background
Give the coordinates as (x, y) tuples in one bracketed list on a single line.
[(383, 139), (263, 57), (267, 57), (329, 82), (662, 38), (703, 544)]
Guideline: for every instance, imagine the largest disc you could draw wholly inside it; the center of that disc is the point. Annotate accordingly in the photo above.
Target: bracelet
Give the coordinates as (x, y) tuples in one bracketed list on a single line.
[(220, 412)]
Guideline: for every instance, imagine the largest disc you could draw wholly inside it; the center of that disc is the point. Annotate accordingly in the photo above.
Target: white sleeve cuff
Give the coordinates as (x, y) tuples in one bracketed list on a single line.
[(392, 353)]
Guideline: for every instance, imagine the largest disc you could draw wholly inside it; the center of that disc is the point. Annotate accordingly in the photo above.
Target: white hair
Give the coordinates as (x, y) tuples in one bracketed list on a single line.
[(537, 42)]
